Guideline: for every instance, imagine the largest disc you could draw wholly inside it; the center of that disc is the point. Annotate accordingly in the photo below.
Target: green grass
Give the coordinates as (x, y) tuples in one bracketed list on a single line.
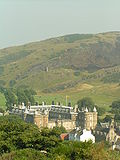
[(102, 94), (2, 101)]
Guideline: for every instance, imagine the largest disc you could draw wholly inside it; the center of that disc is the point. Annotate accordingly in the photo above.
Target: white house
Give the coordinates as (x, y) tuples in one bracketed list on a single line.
[(86, 136), (81, 135)]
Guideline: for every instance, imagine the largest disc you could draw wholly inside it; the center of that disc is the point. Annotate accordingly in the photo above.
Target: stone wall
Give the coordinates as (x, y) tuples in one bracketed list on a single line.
[(67, 124), (87, 120)]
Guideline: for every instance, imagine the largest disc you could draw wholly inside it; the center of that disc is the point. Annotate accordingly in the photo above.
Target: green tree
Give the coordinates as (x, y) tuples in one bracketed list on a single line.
[(115, 109), (85, 102), (16, 134), (107, 118), (29, 94), (100, 110), (25, 96), (24, 141), (2, 110), (24, 154), (11, 98), (57, 131), (22, 97), (116, 104)]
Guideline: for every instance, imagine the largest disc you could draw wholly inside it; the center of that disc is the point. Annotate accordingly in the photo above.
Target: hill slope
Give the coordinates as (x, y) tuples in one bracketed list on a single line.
[(59, 63)]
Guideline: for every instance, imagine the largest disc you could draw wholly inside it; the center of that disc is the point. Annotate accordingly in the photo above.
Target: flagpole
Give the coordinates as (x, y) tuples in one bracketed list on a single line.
[(66, 100)]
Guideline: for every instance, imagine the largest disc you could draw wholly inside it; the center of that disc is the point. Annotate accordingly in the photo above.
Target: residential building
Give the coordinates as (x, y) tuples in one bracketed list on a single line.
[(81, 135)]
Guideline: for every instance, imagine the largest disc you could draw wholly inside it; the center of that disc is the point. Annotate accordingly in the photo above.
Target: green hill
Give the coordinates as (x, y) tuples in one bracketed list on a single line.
[(63, 63)]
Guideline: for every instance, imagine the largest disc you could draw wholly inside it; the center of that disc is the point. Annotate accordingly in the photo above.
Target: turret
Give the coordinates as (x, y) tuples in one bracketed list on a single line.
[(76, 108), (94, 110), (86, 110)]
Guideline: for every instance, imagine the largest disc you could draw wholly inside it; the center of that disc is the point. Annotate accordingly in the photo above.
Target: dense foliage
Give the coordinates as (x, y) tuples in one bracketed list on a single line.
[(1, 110), (17, 96), (88, 102), (24, 141), (16, 134), (24, 154), (107, 118), (85, 102), (113, 78), (115, 109)]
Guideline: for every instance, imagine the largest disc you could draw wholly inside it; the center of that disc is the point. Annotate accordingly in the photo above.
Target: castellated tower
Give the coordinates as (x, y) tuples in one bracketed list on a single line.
[(38, 120), (87, 120)]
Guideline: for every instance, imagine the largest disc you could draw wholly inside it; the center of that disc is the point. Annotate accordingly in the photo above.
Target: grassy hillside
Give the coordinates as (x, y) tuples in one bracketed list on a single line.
[(2, 101), (102, 94), (62, 65), (63, 56)]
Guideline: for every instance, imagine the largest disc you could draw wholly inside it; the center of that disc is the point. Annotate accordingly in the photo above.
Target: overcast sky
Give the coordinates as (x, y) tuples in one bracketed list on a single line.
[(23, 21)]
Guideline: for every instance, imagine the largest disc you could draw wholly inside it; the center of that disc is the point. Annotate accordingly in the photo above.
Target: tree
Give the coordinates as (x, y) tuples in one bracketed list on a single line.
[(100, 110), (24, 141), (85, 102), (115, 107), (11, 98), (57, 131), (22, 97), (16, 134), (1, 110), (53, 103), (117, 117), (29, 94), (24, 154), (108, 118)]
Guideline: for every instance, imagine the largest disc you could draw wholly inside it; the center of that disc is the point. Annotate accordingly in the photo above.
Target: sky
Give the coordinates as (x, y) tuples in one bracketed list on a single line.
[(24, 21)]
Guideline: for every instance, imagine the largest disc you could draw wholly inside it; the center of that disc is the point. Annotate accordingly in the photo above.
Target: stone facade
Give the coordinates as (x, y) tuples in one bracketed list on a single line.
[(56, 115), (87, 120)]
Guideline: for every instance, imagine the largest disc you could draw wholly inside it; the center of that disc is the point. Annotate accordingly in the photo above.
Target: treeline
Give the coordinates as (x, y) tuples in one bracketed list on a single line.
[(114, 112), (89, 103), (113, 78), (17, 96), (115, 109), (24, 141)]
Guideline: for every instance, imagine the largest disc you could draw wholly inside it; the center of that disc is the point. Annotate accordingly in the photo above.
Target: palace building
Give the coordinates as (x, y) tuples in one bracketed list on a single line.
[(57, 115)]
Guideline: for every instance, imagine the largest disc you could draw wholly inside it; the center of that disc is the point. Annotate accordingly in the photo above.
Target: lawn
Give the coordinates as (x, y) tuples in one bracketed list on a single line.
[(102, 94)]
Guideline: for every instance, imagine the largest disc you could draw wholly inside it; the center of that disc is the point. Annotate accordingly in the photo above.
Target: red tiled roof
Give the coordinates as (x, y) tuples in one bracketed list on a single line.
[(64, 136)]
